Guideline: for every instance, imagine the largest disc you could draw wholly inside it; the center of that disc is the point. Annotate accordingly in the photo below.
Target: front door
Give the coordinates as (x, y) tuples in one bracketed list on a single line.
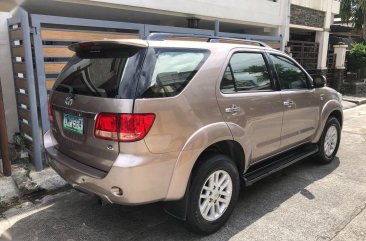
[(250, 104), (301, 108)]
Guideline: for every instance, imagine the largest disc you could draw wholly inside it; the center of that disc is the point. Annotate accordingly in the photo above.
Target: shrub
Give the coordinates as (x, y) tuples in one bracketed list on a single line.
[(356, 58)]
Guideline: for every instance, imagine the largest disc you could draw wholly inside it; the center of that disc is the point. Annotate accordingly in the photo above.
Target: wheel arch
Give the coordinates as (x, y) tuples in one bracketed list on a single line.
[(228, 147), (331, 109), (338, 115), (214, 137)]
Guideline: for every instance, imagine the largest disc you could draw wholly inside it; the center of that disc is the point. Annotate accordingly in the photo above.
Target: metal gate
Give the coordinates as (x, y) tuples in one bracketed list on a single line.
[(330, 63), (25, 84), (48, 37), (306, 53)]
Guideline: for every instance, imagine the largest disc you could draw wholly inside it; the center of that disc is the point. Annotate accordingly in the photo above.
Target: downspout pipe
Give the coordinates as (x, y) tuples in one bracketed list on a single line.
[(4, 144)]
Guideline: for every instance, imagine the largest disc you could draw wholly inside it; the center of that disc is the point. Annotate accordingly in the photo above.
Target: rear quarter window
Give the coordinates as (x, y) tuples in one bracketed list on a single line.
[(168, 71)]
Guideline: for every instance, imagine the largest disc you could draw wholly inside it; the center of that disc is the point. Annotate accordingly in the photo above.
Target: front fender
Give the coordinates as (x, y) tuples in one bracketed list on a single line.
[(328, 108), (195, 145)]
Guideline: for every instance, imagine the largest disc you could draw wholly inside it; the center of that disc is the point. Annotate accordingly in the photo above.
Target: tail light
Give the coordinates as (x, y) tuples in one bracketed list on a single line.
[(50, 112), (106, 126), (123, 127)]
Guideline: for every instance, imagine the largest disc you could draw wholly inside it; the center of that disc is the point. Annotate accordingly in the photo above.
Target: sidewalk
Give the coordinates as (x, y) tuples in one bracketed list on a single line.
[(359, 100), (25, 182), (352, 101), (348, 105)]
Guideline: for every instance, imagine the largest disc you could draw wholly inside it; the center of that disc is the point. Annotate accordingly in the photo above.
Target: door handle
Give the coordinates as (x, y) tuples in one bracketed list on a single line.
[(233, 109), (288, 103)]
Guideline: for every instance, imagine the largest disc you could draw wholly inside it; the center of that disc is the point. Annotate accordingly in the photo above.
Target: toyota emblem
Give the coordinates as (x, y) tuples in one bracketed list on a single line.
[(69, 101)]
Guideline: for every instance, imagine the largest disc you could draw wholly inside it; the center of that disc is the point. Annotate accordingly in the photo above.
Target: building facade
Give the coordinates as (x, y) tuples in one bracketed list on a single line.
[(310, 21)]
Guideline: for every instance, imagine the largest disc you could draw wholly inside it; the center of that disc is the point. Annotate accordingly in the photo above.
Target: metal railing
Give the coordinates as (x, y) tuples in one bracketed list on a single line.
[(210, 38)]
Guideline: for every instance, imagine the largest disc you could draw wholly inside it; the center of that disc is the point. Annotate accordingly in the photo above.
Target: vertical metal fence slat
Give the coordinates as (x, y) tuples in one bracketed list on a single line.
[(41, 75), (32, 94)]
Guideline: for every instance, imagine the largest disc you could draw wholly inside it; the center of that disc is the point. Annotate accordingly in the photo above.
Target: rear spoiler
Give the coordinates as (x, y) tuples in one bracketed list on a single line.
[(108, 44)]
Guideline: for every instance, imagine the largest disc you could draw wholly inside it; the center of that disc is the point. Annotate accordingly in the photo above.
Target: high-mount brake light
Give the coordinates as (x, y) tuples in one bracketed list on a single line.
[(86, 45)]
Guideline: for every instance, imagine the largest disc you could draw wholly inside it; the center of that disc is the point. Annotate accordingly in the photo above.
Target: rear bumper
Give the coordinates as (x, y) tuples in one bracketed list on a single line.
[(143, 178)]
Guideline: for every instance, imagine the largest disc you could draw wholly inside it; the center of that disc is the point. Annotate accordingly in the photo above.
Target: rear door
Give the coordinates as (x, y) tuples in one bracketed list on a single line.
[(95, 80), (250, 103), (301, 104)]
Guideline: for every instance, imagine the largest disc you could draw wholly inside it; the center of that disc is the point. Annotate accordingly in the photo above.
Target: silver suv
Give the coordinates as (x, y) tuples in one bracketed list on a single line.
[(185, 122)]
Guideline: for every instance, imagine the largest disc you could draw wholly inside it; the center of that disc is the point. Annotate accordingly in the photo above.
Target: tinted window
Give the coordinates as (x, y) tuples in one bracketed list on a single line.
[(101, 73), (246, 72), (227, 82), (289, 74), (168, 71)]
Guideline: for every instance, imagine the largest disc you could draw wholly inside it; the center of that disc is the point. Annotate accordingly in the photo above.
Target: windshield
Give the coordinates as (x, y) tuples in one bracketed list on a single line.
[(108, 73)]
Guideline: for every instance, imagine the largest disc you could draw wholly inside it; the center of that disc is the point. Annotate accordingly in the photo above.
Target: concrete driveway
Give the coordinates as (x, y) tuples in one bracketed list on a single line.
[(303, 202)]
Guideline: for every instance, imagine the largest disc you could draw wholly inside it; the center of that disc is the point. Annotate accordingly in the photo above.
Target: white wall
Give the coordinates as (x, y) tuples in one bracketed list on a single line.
[(252, 12), (6, 76)]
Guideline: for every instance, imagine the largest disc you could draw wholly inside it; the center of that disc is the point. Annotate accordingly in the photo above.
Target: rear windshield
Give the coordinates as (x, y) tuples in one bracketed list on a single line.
[(108, 73), (167, 72)]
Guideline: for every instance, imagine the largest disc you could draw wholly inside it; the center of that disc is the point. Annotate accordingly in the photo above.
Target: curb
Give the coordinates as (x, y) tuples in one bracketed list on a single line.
[(360, 101), (346, 105)]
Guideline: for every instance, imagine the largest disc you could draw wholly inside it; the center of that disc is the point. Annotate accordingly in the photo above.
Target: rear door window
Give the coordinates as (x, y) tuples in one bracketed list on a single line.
[(246, 72), (168, 71), (107, 73)]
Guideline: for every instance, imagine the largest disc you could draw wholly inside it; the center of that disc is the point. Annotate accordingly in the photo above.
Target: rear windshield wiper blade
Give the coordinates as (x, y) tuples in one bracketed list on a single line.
[(70, 88)]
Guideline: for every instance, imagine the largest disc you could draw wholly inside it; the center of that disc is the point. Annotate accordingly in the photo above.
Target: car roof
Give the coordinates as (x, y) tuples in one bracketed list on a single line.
[(191, 43)]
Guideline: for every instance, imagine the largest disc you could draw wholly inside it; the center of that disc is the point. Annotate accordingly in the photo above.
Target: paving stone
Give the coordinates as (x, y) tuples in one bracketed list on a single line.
[(8, 190), (47, 179)]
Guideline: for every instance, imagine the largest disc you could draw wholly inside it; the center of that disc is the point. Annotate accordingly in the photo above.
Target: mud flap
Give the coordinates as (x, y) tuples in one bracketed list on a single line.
[(178, 208)]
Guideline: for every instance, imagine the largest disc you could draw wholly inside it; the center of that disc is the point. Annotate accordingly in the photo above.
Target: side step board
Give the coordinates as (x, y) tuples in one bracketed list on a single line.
[(272, 165)]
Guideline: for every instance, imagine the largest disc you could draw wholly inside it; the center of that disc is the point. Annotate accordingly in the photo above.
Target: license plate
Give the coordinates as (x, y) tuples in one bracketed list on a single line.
[(74, 124)]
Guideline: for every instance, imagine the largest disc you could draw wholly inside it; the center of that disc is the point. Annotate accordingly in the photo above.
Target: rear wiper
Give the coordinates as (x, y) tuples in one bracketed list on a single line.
[(70, 88)]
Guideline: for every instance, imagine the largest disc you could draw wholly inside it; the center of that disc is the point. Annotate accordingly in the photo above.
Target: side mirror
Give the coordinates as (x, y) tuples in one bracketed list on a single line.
[(319, 81)]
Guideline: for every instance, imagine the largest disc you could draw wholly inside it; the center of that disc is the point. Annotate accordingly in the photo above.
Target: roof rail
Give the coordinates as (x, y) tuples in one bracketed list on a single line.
[(210, 38)]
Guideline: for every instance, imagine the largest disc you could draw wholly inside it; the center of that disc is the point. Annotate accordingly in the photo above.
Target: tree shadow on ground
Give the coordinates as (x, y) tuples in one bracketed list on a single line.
[(77, 216)]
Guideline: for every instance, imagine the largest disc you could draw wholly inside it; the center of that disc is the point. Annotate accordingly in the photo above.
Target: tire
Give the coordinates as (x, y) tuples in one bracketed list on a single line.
[(325, 155), (210, 166)]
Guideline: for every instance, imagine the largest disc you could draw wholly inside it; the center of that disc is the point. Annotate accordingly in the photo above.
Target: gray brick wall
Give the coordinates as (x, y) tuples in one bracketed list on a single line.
[(307, 17)]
